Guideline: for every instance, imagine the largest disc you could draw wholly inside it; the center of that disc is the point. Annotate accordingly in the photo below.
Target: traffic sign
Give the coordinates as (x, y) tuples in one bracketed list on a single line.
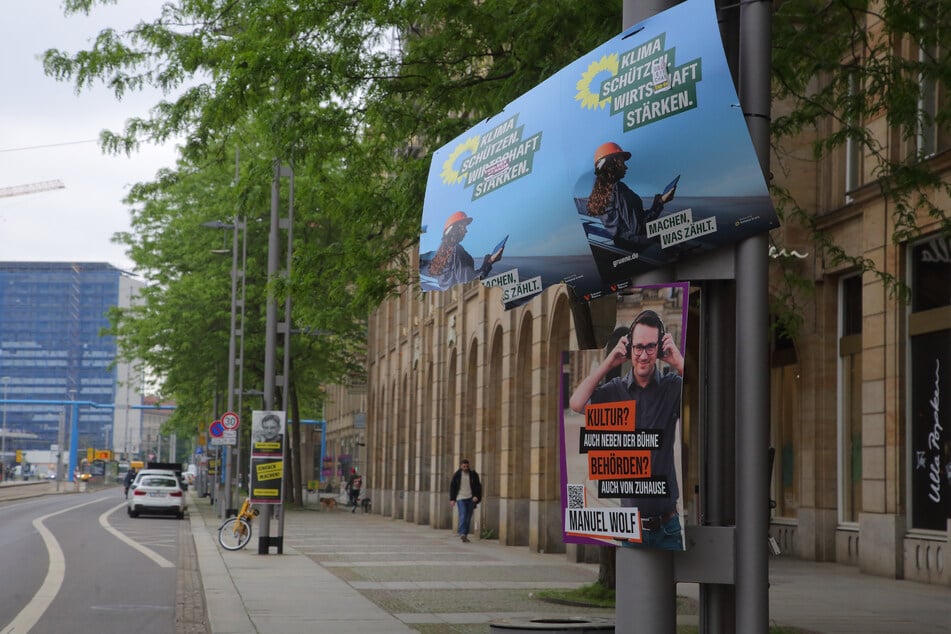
[(228, 437), (230, 420), (216, 429)]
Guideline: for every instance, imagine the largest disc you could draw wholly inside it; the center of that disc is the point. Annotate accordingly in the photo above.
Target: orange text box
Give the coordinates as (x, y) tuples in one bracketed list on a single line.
[(618, 416), (610, 465)]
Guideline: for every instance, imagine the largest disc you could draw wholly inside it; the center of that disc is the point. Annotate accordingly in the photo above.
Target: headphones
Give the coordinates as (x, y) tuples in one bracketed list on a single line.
[(652, 319)]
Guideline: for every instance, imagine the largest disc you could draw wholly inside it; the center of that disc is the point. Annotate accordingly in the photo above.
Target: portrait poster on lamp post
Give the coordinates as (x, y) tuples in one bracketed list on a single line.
[(267, 457), (267, 433), (621, 429)]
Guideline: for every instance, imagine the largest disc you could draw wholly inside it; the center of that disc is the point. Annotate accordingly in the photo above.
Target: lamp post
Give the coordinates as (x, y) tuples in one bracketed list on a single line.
[(3, 429), (235, 227), (73, 433)]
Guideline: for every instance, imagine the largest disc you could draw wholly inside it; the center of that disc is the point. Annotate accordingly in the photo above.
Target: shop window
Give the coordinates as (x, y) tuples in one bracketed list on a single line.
[(929, 387)]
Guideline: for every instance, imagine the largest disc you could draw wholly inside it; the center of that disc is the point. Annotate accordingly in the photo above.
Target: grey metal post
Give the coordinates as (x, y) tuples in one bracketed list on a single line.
[(717, 614), (60, 439), (3, 430), (752, 333), (646, 591), (285, 390), (228, 505), (717, 439), (270, 331), (240, 361)]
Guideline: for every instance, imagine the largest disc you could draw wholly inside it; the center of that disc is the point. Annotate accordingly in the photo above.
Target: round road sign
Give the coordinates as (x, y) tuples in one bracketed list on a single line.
[(230, 420), (216, 429)]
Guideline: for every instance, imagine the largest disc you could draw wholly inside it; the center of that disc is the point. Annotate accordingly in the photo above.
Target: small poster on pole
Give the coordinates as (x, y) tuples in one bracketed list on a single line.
[(621, 430), (267, 457)]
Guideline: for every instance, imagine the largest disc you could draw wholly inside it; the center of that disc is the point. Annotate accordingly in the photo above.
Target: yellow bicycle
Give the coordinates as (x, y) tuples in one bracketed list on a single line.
[(235, 532)]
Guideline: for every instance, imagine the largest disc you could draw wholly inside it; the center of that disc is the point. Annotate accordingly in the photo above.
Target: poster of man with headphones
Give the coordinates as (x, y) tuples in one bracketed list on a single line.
[(621, 431)]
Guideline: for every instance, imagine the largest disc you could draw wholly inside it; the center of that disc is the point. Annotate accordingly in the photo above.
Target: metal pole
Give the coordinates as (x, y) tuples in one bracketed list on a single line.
[(752, 335), (60, 439), (270, 331), (717, 439), (228, 506), (646, 590), (244, 272), (73, 436), (286, 391), (3, 430)]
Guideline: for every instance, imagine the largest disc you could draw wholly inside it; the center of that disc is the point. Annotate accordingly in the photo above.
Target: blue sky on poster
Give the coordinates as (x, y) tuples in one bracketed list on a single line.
[(49, 132), (708, 146)]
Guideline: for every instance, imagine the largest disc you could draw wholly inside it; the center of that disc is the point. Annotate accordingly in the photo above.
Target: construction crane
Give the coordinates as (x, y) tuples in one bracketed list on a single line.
[(31, 188)]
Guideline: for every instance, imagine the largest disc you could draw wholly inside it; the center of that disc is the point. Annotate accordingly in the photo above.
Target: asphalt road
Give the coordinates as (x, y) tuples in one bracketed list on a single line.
[(78, 563)]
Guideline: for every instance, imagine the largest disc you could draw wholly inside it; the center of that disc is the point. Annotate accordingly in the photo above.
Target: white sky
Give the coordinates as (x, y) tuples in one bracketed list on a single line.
[(75, 223)]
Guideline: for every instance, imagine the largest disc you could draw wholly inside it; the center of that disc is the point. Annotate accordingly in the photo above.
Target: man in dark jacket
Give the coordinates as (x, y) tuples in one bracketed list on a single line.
[(129, 479), (465, 492)]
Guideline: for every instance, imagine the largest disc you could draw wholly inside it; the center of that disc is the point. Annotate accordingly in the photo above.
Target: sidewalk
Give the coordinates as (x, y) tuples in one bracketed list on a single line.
[(343, 572)]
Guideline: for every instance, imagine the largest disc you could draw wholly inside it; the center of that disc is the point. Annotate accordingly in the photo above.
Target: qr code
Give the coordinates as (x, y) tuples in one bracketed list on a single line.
[(576, 496)]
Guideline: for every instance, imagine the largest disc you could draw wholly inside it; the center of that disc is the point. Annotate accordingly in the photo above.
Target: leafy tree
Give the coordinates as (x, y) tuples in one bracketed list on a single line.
[(837, 65), (353, 95)]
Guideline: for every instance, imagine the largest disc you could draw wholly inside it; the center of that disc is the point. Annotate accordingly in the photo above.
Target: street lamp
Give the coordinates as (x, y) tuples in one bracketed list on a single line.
[(235, 227)]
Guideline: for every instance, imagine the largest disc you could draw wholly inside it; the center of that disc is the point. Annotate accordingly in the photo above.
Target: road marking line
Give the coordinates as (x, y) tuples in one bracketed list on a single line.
[(55, 572), (148, 552)]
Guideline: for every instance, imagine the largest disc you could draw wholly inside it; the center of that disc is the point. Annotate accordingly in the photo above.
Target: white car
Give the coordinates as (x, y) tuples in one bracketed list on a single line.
[(157, 493), (144, 472)]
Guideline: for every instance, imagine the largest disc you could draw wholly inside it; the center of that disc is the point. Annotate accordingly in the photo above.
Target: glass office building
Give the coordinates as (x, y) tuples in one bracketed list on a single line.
[(51, 351)]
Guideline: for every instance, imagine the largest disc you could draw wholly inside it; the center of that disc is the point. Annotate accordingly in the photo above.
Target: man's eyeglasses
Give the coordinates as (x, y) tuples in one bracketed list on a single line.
[(650, 349)]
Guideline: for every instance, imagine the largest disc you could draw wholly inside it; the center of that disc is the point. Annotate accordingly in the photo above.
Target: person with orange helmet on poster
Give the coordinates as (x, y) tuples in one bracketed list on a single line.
[(452, 264), (621, 210)]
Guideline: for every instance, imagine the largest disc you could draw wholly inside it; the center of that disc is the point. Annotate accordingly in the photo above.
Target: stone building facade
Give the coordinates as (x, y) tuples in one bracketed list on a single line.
[(863, 445)]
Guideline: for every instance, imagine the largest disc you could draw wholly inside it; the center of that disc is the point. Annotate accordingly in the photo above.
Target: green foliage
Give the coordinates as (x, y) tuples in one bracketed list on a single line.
[(837, 65), (352, 95)]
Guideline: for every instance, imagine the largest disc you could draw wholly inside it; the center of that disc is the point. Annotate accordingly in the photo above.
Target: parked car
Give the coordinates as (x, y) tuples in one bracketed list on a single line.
[(157, 493), (171, 466), (146, 472)]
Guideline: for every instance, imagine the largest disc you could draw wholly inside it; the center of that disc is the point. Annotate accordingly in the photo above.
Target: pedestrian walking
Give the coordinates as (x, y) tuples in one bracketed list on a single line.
[(354, 485), (129, 479), (465, 492)]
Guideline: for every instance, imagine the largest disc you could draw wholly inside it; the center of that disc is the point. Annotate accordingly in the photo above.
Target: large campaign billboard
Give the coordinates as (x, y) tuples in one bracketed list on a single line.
[(632, 157)]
